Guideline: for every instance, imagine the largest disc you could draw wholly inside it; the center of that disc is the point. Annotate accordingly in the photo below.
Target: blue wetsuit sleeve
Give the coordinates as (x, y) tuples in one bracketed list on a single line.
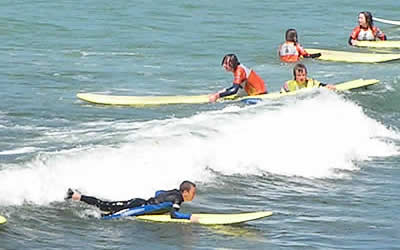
[(177, 215), (230, 91)]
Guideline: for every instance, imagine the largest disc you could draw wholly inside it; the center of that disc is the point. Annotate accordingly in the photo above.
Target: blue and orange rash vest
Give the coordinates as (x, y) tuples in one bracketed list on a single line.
[(175, 197), (293, 85), (248, 79), (367, 34), (291, 52)]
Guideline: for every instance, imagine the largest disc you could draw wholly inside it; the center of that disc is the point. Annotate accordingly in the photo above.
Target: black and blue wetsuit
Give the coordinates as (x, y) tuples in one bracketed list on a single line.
[(231, 90), (168, 201)]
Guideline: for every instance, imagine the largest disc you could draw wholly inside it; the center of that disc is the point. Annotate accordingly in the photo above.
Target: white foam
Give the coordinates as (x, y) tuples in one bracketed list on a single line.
[(22, 150), (91, 53), (309, 137)]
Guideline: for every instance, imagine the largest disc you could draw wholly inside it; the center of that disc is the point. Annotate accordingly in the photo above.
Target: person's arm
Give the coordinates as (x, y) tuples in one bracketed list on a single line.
[(182, 216), (302, 52), (230, 91), (350, 41), (380, 34), (285, 88), (227, 92), (176, 215), (315, 55), (279, 50), (354, 35), (329, 86)]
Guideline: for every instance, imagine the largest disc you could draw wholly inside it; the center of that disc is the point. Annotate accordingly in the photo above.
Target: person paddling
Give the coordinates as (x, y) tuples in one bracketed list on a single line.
[(243, 78), (162, 202)]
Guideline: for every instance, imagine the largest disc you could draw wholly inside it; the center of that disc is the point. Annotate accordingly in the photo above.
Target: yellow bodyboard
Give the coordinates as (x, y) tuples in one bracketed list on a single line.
[(353, 57), (359, 83), (210, 219), (143, 101), (355, 84), (378, 44)]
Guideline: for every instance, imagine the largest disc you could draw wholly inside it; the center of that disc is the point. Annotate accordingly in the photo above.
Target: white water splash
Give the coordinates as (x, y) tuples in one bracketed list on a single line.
[(309, 137)]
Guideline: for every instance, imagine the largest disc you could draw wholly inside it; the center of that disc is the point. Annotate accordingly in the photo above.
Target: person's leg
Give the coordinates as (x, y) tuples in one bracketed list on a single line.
[(112, 206), (106, 206)]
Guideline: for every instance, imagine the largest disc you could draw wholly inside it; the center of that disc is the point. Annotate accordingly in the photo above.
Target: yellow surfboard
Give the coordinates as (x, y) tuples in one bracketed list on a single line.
[(2, 220), (141, 100), (210, 219), (353, 57), (355, 84), (378, 44), (144, 101)]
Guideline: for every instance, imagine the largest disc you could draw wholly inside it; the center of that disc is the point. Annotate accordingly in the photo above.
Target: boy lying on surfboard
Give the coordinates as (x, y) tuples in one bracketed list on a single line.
[(162, 202)]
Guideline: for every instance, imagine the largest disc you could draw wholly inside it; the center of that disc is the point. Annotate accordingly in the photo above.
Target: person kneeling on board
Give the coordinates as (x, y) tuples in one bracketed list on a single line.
[(243, 77), (186, 192), (366, 30), (302, 81)]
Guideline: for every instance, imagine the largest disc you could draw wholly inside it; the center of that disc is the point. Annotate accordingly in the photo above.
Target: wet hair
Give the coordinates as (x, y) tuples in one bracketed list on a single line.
[(233, 60), (186, 186), (291, 35), (299, 67), (368, 18)]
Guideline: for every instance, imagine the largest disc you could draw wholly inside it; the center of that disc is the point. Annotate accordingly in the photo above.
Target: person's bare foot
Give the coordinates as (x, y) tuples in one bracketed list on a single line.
[(71, 194), (76, 196)]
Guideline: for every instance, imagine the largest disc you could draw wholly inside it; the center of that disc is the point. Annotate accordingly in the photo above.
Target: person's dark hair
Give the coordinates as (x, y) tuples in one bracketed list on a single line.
[(291, 35), (299, 67), (233, 60), (186, 186), (368, 18)]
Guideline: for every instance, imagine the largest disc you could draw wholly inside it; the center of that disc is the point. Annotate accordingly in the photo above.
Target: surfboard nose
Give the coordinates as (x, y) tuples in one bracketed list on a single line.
[(2, 220)]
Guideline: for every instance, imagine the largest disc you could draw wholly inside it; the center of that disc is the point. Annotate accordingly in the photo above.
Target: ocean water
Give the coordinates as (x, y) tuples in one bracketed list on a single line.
[(326, 163)]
